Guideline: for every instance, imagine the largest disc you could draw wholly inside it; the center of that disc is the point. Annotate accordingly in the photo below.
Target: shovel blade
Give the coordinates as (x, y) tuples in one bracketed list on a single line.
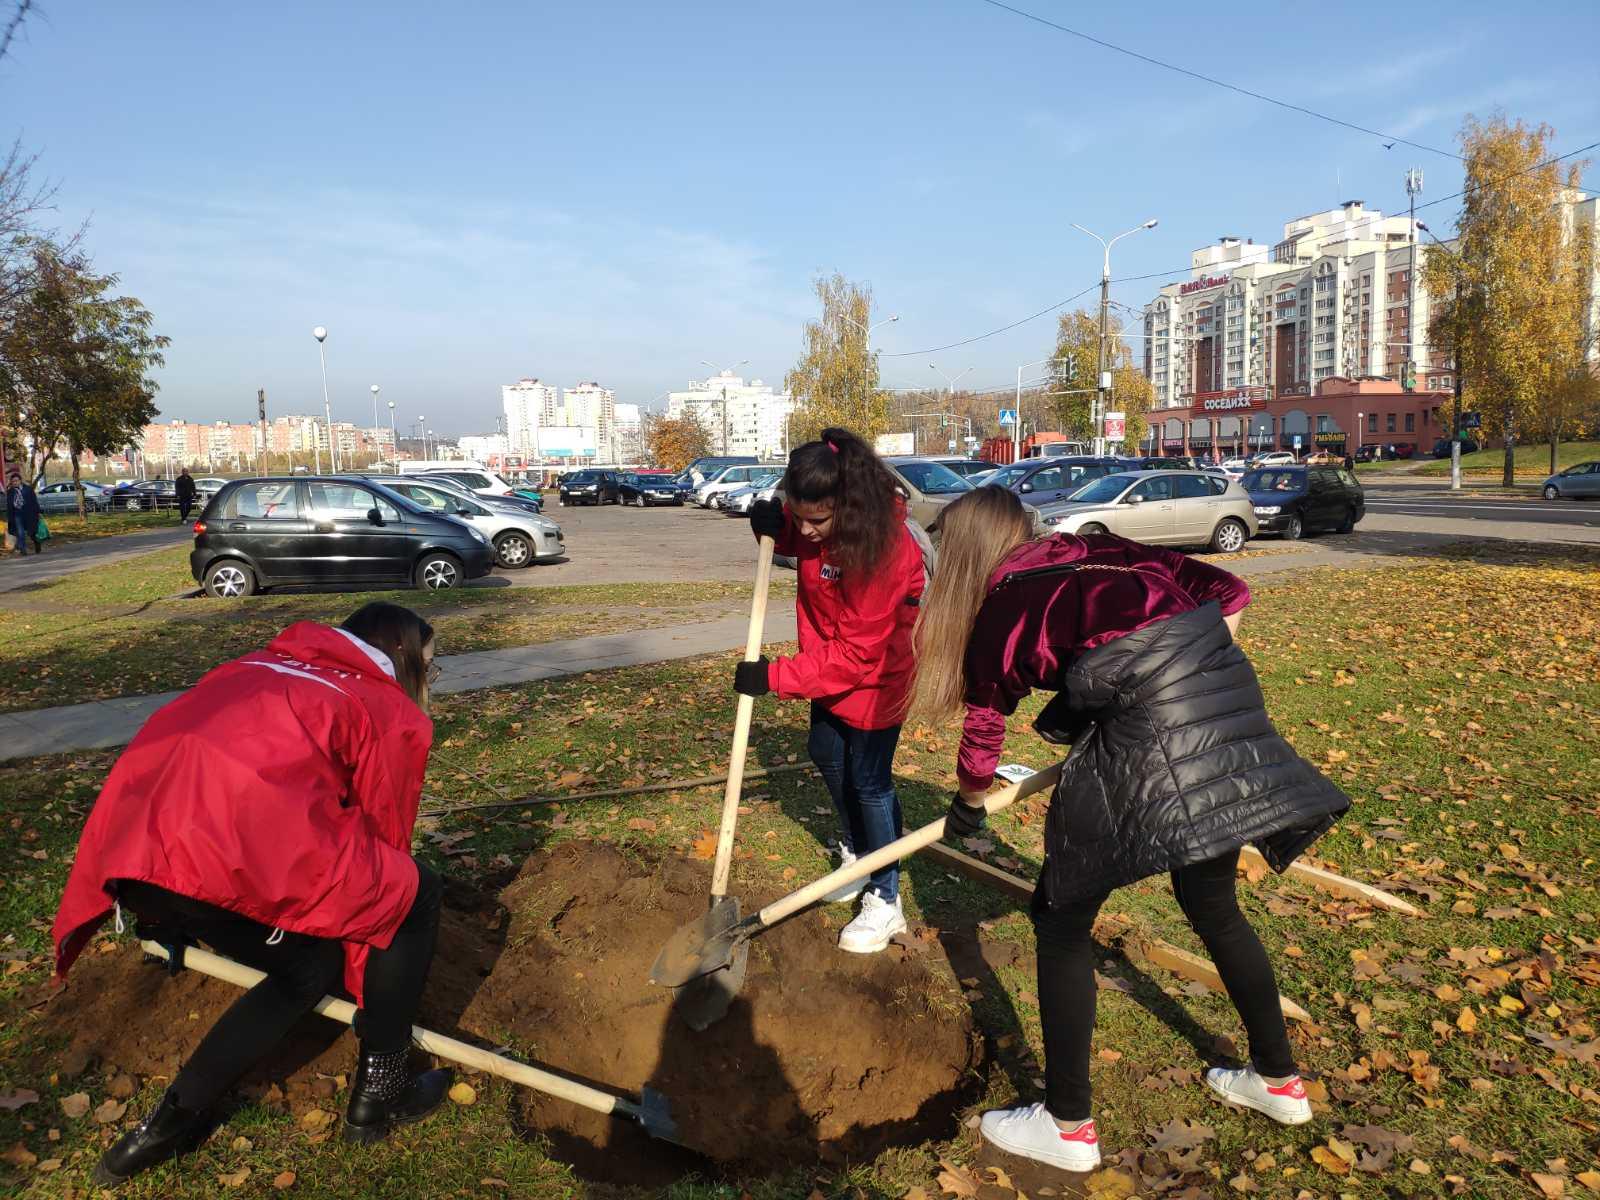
[(704, 1001), (704, 945), (655, 1116)]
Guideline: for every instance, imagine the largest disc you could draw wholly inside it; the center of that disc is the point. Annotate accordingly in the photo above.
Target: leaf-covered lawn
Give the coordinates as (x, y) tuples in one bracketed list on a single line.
[(1457, 1055), (116, 632)]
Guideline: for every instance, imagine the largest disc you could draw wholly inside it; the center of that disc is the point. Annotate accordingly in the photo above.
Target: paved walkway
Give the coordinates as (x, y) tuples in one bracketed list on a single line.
[(105, 724), (19, 571)]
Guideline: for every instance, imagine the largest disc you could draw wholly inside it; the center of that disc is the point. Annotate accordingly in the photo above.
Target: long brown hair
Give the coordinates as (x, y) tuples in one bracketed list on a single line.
[(400, 634), (976, 533), (841, 467)]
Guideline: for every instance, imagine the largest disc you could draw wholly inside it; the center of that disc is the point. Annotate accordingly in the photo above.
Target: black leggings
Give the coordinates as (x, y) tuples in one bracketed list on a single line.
[(1205, 892), (300, 971)]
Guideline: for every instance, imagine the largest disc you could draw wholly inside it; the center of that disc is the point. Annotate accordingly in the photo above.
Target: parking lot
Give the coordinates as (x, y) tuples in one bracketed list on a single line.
[(612, 544)]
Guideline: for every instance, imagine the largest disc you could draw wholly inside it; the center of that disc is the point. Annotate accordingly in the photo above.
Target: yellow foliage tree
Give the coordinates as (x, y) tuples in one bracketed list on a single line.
[(1071, 380), (1515, 286), (675, 442), (836, 380)]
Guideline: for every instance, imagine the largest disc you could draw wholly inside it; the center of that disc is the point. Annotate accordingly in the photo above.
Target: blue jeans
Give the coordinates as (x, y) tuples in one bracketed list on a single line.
[(857, 765), (22, 533)]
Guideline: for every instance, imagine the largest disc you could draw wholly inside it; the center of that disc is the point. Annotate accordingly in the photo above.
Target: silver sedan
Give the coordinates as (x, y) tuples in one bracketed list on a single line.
[(1161, 508)]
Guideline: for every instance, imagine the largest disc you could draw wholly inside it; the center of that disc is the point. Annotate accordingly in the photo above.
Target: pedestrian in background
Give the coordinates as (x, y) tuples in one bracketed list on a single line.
[(22, 513), (186, 494)]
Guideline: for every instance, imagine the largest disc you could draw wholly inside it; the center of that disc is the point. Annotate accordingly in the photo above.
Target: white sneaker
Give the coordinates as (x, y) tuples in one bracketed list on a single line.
[(875, 924), (847, 893), (1285, 1103), (1032, 1132)]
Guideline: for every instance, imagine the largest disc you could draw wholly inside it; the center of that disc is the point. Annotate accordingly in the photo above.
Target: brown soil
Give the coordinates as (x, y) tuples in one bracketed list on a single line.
[(824, 1056)]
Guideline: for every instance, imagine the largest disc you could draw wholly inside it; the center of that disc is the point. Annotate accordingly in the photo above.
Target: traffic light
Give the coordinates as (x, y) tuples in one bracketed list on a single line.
[(1408, 376)]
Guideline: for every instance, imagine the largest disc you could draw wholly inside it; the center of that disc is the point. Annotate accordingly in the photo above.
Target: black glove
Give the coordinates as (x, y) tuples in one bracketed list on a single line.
[(766, 518), (963, 820), (750, 678)]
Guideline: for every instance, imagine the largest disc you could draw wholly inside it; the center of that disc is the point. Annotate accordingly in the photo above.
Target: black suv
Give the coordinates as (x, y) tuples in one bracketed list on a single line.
[(1295, 500), (590, 487), (258, 533)]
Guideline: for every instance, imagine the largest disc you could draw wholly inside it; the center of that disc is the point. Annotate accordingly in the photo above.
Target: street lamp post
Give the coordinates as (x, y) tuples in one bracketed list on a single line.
[(321, 335), (1016, 427), (375, 417), (866, 333), (1102, 383), (1455, 419)]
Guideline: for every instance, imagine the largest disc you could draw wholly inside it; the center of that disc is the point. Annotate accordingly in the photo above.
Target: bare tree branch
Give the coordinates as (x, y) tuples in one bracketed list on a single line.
[(19, 14)]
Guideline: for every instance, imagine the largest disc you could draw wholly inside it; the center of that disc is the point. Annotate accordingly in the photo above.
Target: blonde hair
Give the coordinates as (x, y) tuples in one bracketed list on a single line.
[(976, 533)]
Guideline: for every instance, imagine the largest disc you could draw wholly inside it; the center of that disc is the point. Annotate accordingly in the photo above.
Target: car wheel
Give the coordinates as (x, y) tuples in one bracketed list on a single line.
[(1229, 537), (229, 580), (1552, 492), (438, 573), (1293, 529), (1092, 527), (513, 550), (639, 501), (1348, 525), (133, 504)]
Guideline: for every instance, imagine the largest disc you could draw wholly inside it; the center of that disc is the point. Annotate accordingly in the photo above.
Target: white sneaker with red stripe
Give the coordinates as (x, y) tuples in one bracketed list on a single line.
[(1031, 1132), (1285, 1103)]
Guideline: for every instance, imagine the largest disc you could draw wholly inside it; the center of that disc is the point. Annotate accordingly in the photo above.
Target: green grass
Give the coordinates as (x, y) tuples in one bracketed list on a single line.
[(116, 632), (1531, 460), (1454, 700), (69, 528)]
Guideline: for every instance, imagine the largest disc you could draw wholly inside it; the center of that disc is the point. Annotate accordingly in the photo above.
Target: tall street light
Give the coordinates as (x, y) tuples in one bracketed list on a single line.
[(1016, 426), (706, 362), (375, 390), (866, 335), (1455, 420), (1102, 383), (321, 335)]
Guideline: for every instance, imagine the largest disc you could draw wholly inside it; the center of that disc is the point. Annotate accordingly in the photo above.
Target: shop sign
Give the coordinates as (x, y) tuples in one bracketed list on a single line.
[(1200, 285)]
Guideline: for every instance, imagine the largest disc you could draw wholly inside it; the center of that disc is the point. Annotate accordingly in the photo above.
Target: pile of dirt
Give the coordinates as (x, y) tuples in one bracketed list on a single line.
[(825, 1056)]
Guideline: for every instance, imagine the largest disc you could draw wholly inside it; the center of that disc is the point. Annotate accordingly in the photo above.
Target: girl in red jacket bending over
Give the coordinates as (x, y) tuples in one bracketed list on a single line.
[(268, 813), (861, 577), (1174, 766)]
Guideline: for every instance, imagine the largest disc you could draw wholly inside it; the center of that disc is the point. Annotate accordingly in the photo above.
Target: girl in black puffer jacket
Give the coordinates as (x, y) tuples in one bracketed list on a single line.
[(1174, 767)]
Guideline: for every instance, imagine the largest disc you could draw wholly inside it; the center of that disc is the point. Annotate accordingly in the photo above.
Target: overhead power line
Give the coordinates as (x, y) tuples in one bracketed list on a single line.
[(1389, 138), (992, 332)]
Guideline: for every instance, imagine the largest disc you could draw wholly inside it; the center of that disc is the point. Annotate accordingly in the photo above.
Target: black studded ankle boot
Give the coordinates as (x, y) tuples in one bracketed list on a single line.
[(385, 1094), (166, 1133)]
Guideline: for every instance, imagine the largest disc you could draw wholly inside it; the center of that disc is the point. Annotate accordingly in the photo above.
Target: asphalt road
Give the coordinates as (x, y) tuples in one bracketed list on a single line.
[(1508, 510)]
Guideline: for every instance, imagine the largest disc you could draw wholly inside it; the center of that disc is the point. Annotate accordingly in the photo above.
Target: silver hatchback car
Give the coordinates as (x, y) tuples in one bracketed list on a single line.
[(1162, 508)]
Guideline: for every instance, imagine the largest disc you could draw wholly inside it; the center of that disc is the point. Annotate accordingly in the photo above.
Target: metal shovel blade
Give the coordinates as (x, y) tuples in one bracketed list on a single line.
[(708, 943), (655, 1116), (704, 1001)]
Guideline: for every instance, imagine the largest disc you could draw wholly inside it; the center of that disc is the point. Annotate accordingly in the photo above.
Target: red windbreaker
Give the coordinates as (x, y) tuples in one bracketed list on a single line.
[(856, 655), (283, 786)]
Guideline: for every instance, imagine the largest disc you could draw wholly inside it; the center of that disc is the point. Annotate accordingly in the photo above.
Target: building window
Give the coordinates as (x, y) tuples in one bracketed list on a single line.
[(1411, 422), (1372, 422), (1389, 425)]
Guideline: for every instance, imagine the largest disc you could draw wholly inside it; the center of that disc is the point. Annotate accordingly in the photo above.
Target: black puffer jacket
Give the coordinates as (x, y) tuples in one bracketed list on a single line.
[(1174, 762)]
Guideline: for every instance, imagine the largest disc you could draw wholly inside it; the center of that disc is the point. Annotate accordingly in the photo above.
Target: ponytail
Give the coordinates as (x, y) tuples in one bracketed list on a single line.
[(842, 468)]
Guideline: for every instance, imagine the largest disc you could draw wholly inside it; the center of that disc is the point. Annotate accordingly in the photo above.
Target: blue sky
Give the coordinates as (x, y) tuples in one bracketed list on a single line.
[(471, 193)]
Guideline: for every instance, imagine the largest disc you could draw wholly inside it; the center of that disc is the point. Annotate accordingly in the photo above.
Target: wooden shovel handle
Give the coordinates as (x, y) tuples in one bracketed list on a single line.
[(894, 851), (466, 1055), (741, 725)]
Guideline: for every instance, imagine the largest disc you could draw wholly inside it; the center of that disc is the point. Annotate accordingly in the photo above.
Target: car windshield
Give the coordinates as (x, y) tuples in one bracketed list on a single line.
[(582, 477), (1102, 490), (933, 479), (1275, 479), (1006, 476)]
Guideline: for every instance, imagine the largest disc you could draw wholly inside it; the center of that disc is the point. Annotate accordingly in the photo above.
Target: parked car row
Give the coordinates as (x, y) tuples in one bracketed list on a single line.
[(425, 530)]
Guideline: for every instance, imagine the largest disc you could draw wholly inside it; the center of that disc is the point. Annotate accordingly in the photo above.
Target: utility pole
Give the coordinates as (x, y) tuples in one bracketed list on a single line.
[(1455, 356), (1413, 190), (1102, 381), (261, 414)]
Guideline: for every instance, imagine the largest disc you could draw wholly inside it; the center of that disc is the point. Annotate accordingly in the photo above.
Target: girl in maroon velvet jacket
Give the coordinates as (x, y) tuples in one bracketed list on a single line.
[(1174, 766)]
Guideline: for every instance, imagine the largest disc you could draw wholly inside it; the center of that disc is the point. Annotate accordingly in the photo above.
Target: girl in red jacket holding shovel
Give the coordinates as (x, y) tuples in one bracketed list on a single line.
[(268, 813), (1174, 767), (861, 577)]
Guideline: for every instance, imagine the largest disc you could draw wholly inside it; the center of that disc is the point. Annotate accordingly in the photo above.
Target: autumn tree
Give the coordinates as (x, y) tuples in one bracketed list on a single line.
[(75, 361), (836, 380), (1516, 283), (675, 442), (1070, 376)]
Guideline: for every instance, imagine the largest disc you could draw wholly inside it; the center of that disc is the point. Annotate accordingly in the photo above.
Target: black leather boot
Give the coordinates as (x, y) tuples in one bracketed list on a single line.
[(385, 1094), (166, 1133)]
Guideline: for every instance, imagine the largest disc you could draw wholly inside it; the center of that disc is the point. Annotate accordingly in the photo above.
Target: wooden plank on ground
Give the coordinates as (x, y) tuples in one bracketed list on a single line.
[(1166, 956), (1329, 882)]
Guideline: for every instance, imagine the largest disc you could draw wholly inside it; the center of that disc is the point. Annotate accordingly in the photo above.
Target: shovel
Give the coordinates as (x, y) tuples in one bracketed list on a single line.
[(706, 995), (650, 1110), (704, 946)]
